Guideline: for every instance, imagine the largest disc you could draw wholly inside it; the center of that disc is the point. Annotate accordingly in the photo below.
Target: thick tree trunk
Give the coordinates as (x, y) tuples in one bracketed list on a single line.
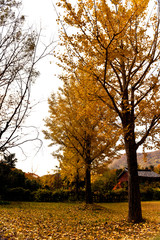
[(89, 198), (128, 122), (134, 202)]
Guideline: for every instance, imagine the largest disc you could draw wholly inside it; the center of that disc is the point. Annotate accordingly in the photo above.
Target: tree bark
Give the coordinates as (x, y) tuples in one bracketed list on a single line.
[(77, 185), (89, 198), (134, 201)]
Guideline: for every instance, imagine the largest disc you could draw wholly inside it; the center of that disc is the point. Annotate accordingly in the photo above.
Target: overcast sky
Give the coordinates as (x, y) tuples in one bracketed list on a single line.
[(40, 14)]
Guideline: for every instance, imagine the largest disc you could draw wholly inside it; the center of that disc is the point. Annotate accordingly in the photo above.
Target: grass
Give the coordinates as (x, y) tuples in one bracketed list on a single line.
[(70, 221)]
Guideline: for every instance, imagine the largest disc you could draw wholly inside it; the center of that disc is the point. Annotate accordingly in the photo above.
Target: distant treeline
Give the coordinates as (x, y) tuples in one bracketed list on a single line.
[(15, 185)]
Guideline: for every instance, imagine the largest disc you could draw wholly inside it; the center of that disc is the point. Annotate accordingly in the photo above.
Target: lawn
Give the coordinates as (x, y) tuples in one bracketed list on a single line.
[(74, 221)]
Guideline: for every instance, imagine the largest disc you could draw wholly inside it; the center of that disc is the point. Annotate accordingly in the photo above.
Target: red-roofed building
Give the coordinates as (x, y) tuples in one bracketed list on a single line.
[(31, 175), (144, 175)]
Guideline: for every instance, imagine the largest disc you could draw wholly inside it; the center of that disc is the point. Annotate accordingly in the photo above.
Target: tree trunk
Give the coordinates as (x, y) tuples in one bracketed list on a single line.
[(77, 185), (134, 202), (89, 198)]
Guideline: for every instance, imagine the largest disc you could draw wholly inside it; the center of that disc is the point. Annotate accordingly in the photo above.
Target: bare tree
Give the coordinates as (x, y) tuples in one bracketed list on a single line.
[(18, 57)]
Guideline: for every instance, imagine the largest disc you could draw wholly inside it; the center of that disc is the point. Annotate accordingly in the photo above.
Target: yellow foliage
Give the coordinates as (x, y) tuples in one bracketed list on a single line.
[(81, 125), (111, 48), (72, 166), (140, 2)]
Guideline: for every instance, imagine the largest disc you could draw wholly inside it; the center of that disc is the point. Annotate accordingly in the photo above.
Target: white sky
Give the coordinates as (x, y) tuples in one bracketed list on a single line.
[(40, 13)]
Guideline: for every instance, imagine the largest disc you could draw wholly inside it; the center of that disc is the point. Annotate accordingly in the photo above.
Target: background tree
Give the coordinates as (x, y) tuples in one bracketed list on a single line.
[(76, 124), (15, 185), (104, 182), (52, 181), (18, 56), (111, 41), (10, 160), (72, 169)]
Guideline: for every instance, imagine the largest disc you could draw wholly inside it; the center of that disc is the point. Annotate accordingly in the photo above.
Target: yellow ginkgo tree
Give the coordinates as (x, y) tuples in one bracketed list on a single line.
[(78, 125), (117, 44), (72, 169)]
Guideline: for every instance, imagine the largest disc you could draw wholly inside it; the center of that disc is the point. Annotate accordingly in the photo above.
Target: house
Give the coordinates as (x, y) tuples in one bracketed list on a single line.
[(31, 176), (144, 175)]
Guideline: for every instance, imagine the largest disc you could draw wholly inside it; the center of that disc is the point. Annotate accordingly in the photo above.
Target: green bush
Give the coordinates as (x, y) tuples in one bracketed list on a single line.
[(146, 193), (59, 195), (99, 186), (32, 184), (4, 203), (16, 179), (105, 182), (119, 195), (18, 194), (43, 195), (156, 194), (73, 196)]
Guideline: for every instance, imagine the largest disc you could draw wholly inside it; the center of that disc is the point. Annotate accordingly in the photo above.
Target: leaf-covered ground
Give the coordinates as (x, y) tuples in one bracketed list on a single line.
[(74, 221)]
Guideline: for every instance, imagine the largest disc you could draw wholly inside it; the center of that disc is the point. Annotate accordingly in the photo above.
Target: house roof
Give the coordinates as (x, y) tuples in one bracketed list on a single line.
[(143, 173), (31, 175), (148, 173)]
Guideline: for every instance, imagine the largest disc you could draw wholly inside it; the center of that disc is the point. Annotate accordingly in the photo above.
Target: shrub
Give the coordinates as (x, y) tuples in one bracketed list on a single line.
[(99, 186), (119, 195), (43, 195), (16, 179), (60, 195), (4, 203), (146, 193), (18, 194), (156, 194), (32, 184)]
